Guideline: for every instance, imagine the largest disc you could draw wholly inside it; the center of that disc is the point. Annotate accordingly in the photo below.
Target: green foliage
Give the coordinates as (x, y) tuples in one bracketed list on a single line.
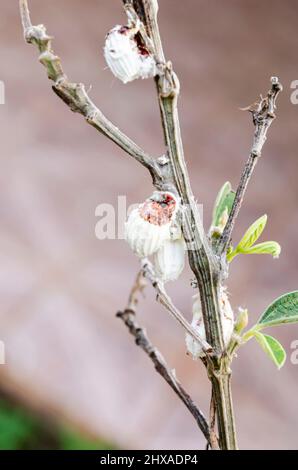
[(246, 245), (19, 430), (252, 234), (272, 348), (282, 310), (15, 427), (223, 202), (270, 248)]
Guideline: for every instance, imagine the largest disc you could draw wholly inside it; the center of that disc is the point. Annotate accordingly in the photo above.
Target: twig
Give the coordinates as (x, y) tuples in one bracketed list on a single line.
[(212, 421), (166, 301), (263, 113), (75, 95), (142, 340)]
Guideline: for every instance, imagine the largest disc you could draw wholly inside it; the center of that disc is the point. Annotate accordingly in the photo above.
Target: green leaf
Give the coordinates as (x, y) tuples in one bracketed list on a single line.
[(282, 310), (224, 190), (15, 427), (272, 348), (252, 234), (270, 248), (224, 201)]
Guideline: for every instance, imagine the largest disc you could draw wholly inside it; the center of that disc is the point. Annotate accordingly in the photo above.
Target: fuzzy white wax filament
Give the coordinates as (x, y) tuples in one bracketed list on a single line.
[(149, 226), (227, 318), (168, 261), (194, 349), (227, 315), (126, 56)]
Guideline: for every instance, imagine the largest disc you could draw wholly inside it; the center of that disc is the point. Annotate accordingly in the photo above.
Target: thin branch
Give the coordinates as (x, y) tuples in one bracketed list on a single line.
[(147, 11), (75, 95), (212, 422), (263, 112), (129, 318), (166, 301)]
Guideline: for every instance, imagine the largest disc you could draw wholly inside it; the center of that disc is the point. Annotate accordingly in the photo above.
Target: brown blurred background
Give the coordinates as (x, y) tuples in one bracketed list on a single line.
[(60, 287)]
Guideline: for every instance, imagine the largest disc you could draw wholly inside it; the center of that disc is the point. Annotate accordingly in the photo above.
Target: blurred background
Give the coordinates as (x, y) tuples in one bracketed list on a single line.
[(70, 364)]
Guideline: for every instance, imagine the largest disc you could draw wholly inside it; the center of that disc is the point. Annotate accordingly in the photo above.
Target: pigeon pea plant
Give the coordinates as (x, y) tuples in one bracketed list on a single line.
[(169, 220)]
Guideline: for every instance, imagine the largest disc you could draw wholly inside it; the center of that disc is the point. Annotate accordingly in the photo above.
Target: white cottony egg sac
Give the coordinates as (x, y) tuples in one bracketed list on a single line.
[(126, 57), (143, 237), (169, 261), (149, 226), (227, 318), (152, 229)]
